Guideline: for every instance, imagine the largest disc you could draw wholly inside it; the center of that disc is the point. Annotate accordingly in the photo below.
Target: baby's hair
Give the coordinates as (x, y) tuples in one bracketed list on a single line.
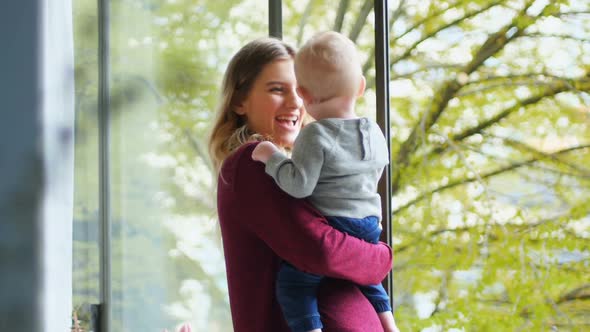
[(328, 66)]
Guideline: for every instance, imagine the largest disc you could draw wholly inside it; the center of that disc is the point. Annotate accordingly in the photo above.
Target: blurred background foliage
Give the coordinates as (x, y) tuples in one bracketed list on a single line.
[(490, 156)]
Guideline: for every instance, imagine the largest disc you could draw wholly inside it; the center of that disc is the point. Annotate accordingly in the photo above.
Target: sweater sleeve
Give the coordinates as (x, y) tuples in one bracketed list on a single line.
[(299, 174), (298, 233)]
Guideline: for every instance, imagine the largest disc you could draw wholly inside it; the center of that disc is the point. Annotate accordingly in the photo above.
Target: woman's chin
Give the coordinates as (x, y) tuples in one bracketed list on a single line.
[(285, 141)]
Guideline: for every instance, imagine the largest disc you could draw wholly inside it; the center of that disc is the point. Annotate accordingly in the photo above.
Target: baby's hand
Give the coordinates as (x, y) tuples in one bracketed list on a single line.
[(263, 151)]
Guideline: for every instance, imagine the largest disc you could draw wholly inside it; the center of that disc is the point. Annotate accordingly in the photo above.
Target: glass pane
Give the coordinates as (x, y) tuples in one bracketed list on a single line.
[(167, 60), (86, 186), (490, 138)]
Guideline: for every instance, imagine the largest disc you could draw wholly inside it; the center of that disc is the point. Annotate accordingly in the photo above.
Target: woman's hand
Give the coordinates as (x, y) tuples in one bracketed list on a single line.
[(263, 151)]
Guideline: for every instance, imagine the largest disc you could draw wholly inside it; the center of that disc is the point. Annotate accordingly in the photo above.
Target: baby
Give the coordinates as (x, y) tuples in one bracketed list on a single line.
[(336, 161)]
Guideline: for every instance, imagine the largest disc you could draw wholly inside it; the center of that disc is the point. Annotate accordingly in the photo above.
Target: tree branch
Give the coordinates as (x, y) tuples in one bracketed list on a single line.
[(540, 76), (397, 13), (518, 228), (541, 155), (484, 176), (582, 172), (426, 19), (397, 250), (491, 46), (443, 290), (564, 37), (572, 13), (367, 65), (342, 9), (303, 21), (488, 87), (427, 67), (432, 33), (581, 84), (578, 293), (540, 79), (143, 81), (500, 39), (558, 88), (199, 149), (360, 20)]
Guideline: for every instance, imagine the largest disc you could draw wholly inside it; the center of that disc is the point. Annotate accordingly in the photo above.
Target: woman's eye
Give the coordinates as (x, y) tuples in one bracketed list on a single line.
[(276, 89)]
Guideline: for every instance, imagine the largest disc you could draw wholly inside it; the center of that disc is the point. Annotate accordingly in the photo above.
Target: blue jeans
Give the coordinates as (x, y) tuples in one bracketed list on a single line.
[(296, 290)]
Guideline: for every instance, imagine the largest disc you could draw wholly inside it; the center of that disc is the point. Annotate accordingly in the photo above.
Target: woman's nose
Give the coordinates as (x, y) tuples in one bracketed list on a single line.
[(294, 101)]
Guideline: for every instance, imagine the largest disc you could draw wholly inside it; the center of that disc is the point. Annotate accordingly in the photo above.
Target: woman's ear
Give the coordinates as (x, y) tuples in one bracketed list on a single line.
[(362, 86), (240, 109)]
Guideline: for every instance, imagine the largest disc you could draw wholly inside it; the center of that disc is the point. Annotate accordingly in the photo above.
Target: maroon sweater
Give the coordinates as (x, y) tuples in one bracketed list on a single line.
[(260, 223)]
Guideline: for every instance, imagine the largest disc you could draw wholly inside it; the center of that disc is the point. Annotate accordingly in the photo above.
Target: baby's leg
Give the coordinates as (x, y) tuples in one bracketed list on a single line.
[(378, 297), (297, 296)]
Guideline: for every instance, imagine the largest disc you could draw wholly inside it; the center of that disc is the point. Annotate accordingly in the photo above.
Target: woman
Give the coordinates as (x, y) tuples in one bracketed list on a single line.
[(260, 224)]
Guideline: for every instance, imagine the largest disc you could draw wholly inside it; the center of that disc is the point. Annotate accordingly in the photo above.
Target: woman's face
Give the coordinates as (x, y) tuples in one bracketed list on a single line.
[(273, 107)]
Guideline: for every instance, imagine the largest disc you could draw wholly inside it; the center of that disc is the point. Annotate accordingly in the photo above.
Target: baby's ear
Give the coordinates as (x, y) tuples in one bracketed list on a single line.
[(304, 94), (362, 86)]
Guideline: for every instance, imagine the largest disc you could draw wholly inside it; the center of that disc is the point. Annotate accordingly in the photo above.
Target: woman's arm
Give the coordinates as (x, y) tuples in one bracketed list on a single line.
[(296, 232)]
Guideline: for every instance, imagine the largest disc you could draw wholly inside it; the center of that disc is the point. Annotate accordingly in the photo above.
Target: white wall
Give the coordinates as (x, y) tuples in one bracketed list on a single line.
[(57, 95), (36, 165)]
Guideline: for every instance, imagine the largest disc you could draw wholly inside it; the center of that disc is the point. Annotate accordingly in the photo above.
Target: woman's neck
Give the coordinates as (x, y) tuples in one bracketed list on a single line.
[(336, 107)]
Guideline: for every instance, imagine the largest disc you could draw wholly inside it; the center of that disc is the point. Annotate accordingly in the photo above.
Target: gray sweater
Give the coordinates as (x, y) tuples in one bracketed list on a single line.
[(337, 162)]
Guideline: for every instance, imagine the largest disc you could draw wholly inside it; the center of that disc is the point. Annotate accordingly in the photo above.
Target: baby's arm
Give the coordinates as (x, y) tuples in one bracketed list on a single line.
[(299, 174), (263, 151)]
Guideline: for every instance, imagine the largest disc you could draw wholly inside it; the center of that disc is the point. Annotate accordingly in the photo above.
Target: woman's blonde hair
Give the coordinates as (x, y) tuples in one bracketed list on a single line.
[(230, 129)]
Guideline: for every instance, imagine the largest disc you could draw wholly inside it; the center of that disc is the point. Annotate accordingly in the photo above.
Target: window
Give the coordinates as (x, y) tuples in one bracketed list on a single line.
[(166, 61), (489, 143), (86, 223)]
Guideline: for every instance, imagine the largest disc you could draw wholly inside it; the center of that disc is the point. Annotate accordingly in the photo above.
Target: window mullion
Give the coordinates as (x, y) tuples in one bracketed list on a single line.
[(382, 103), (104, 180), (275, 18)]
